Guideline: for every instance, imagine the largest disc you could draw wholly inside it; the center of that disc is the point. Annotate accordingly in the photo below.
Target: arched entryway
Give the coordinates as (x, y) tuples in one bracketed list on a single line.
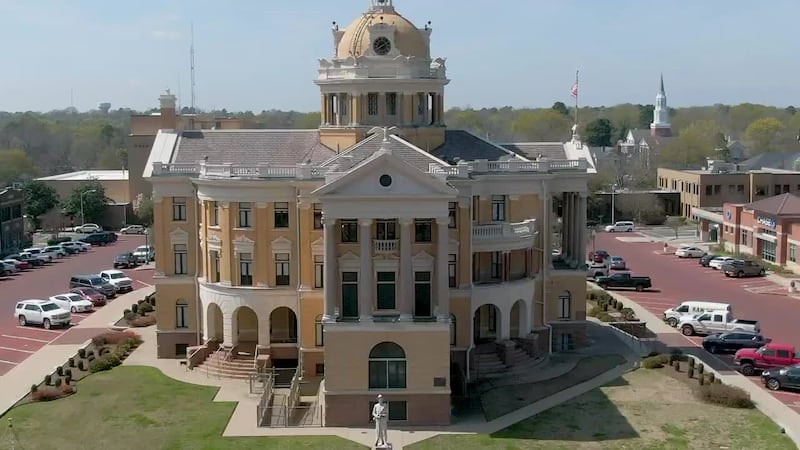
[(214, 326), (518, 323), (486, 324), (245, 327), (283, 326)]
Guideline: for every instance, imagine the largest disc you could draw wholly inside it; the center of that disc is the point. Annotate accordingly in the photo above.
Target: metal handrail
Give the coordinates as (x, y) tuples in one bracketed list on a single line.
[(189, 357), (266, 397)]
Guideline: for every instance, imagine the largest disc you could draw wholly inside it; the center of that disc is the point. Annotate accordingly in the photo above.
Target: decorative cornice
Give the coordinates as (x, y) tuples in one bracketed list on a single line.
[(243, 244)]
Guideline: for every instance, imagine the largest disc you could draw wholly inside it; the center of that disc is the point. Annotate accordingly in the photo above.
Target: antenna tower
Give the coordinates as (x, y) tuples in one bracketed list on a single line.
[(191, 62)]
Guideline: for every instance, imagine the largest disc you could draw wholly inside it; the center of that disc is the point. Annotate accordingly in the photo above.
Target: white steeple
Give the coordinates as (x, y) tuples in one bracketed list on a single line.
[(661, 125)]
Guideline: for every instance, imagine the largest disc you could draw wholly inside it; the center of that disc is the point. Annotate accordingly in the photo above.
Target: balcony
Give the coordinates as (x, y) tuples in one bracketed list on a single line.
[(384, 246), (503, 236), (502, 294)]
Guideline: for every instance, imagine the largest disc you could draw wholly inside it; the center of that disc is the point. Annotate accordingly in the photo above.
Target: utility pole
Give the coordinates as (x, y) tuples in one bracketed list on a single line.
[(191, 63)]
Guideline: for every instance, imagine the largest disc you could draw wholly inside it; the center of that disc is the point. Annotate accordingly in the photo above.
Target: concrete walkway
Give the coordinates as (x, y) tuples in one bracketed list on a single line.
[(17, 382)]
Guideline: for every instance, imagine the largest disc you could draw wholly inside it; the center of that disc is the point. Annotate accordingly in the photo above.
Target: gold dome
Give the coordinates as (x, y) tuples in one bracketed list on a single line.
[(408, 39)]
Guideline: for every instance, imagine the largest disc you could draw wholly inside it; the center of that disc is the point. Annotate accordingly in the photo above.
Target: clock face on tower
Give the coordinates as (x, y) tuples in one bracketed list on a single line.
[(382, 46)]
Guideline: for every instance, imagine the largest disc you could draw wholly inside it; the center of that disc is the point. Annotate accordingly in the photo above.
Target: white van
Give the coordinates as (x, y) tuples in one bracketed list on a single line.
[(620, 227), (692, 308)]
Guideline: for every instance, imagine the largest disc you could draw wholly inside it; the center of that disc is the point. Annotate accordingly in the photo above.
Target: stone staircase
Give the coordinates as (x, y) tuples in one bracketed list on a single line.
[(237, 366), (490, 365)]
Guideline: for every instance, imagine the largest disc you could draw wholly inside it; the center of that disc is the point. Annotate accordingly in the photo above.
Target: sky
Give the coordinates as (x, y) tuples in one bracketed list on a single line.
[(263, 54)]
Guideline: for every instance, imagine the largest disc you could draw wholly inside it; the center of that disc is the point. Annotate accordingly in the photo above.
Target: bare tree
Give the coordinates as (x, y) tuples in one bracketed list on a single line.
[(642, 207)]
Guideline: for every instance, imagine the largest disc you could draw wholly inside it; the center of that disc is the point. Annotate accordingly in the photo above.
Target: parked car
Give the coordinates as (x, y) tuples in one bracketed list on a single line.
[(57, 250), (617, 263), (96, 282), (40, 253), (144, 253), (43, 312), (770, 356), (624, 280), (733, 341), (118, 279), (690, 252), (91, 294), (715, 322), (743, 268), (28, 258), (719, 261), (707, 258), (597, 270), (7, 268), (95, 239), (787, 377), (692, 308), (126, 260), (85, 246), (625, 225), (75, 246), (109, 236), (72, 302), (598, 256), (88, 228), (132, 229), (20, 265)]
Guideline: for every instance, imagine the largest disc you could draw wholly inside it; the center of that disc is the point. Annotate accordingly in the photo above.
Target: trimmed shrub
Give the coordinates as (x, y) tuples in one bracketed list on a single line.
[(45, 395), (723, 395), (34, 388), (68, 372), (700, 369), (126, 311), (134, 308), (605, 306), (145, 321), (82, 353), (605, 317), (58, 382), (145, 308), (653, 354), (701, 380), (690, 372), (90, 359), (628, 314), (139, 302), (71, 362), (104, 350), (619, 306), (59, 370), (115, 338), (129, 316), (595, 311), (67, 389), (718, 381), (68, 379), (107, 362), (47, 379), (677, 366), (711, 378), (81, 366), (691, 362), (652, 362)]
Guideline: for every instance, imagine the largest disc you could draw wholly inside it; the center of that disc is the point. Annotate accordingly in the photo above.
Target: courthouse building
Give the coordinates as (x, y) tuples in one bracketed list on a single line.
[(381, 252)]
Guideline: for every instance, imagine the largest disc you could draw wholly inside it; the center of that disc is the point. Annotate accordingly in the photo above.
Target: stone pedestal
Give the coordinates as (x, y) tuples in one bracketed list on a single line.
[(383, 447)]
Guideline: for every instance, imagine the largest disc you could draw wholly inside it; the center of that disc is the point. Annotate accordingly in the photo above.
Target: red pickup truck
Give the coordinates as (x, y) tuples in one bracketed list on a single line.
[(769, 356)]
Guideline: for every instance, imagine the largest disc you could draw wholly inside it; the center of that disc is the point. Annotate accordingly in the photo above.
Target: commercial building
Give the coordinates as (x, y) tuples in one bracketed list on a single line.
[(378, 252), (116, 187), (12, 222)]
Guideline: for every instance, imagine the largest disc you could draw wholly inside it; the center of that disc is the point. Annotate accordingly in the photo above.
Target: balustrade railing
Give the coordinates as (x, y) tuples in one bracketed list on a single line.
[(523, 229), (385, 245)]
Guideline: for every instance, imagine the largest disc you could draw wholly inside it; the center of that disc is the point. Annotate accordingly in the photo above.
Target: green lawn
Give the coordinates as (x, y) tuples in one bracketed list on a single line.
[(646, 409), (140, 408)]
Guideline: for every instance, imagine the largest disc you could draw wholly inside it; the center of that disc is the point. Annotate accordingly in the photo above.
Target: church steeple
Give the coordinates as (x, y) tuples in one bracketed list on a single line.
[(661, 125)]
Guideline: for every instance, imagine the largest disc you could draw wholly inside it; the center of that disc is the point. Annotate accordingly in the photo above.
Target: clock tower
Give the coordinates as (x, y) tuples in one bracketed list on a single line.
[(381, 74)]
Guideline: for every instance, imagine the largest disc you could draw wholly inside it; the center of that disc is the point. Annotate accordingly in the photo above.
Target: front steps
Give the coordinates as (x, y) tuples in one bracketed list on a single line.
[(489, 364), (236, 367)]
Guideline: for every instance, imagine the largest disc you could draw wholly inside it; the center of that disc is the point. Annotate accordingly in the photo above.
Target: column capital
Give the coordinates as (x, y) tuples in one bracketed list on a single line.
[(365, 222), (405, 221), (583, 195)]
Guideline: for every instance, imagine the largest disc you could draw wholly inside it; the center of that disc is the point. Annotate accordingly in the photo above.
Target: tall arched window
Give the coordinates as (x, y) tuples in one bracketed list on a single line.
[(566, 305), (453, 335), (319, 339), (181, 314), (387, 366)]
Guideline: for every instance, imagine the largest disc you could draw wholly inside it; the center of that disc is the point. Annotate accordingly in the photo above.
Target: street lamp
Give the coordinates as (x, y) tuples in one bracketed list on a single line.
[(613, 192), (83, 221)]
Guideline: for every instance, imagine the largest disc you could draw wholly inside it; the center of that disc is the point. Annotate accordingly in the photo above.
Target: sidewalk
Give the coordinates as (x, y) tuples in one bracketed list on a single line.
[(17, 382)]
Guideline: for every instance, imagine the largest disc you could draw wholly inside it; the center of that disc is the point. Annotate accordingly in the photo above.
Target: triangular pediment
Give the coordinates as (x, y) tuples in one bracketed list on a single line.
[(178, 236), (385, 175), (318, 247), (281, 245)]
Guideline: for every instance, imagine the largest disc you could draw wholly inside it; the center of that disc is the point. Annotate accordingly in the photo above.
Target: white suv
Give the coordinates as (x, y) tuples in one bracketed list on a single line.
[(620, 226), (118, 279), (43, 312)]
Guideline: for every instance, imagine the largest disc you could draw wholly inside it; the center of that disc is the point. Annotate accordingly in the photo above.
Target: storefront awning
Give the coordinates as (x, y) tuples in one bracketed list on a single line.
[(708, 215)]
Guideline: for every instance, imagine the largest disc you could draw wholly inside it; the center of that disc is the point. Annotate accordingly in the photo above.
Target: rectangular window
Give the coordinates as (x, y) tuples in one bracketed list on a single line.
[(372, 104), (761, 190), (717, 189), (793, 253), (777, 189), (497, 265), (181, 267), (499, 208), (245, 215), (350, 294), (386, 291), (740, 188), (317, 216), (386, 229), (731, 188), (178, 209), (282, 269), (391, 103), (768, 251), (281, 215), (397, 410), (745, 240), (451, 270), (181, 315), (214, 213), (452, 213), (709, 189), (785, 188), (245, 269), (349, 231), (566, 306), (319, 271), (423, 230), (319, 334), (214, 269), (422, 294), (476, 201)]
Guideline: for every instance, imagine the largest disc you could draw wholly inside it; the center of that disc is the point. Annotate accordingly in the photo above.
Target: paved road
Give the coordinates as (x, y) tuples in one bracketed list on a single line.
[(18, 343), (676, 280)]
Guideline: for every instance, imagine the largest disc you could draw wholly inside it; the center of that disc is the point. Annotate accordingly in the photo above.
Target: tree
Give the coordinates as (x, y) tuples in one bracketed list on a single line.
[(676, 222), (143, 208), (598, 133), (762, 134), (645, 115), (39, 199), (541, 126), (644, 208), (561, 108), (94, 203), (791, 110), (692, 146), (15, 165)]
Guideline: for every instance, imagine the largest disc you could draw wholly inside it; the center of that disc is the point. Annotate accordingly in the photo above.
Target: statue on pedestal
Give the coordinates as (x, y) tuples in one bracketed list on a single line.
[(380, 414)]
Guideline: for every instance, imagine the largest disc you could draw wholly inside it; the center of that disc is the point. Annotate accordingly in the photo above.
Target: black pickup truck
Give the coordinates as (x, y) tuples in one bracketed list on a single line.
[(624, 280)]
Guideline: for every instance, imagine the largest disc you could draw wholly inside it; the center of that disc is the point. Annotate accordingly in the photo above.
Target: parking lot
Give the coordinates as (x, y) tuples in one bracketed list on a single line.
[(676, 280), (16, 342)]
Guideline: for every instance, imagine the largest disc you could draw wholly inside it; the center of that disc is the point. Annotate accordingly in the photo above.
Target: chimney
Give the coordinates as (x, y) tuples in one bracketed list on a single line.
[(169, 118)]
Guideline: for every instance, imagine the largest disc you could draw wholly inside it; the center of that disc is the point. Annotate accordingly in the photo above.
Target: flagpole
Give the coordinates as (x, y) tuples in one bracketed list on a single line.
[(577, 92)]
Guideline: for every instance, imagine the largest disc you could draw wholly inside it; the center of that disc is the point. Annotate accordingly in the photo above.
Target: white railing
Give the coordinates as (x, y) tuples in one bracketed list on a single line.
[(206, 170), (464, 168), (518, 230), (385, 245)]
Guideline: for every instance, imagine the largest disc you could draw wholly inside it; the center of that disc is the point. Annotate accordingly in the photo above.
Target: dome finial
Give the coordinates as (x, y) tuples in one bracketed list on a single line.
[(382, 4)]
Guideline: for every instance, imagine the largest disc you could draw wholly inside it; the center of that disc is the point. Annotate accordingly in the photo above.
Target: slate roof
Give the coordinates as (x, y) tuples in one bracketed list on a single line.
[(399, 147), (463, 145), (779, 205), (652, 141), (531, 150), (278, 147), (773, 160)]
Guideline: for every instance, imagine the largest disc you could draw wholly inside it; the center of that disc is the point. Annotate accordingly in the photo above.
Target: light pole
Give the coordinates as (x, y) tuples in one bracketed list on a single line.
[(83, 221), (613, 192)]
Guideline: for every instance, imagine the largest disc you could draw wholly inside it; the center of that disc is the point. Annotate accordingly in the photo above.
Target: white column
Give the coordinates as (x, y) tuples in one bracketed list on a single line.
[(442, 285), (228, 325), (565, 239), (405, 305), (505, 324), (338, 98), (330, 263), (365, 283), (547, 231), (573, 222), (582, 230)]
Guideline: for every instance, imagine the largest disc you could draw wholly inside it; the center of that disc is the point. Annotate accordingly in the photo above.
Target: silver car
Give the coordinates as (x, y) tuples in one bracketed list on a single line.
[(617, 263)]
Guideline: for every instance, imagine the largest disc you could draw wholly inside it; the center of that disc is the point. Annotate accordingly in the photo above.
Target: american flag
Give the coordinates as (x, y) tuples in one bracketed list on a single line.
[(574, 90)]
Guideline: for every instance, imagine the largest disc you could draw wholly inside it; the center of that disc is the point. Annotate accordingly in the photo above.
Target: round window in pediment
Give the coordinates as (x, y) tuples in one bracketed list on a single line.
[(382, 46), (385, 180)]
